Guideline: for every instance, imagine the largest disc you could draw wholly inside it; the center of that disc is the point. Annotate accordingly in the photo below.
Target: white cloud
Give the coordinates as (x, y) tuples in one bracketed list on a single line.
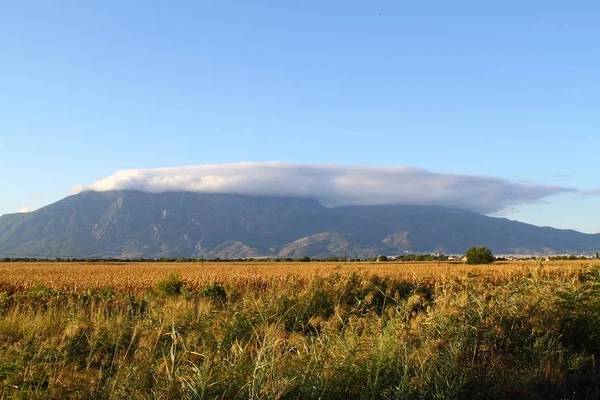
[(334, 184), (26, 209), (76, 189)]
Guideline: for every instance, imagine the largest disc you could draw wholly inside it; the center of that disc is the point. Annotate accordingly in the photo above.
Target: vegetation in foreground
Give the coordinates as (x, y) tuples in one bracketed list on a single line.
[(533, 333)]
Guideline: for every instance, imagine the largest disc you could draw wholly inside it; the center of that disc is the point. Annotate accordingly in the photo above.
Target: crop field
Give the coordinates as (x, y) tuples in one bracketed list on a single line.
[(274, 330), (138, 277)]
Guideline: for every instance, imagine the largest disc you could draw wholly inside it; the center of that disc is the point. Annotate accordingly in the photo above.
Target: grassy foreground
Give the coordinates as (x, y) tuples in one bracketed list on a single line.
[(329, 331)]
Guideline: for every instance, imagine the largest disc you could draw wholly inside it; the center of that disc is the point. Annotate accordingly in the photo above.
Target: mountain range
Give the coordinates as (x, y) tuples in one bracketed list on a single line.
[(136, 224)]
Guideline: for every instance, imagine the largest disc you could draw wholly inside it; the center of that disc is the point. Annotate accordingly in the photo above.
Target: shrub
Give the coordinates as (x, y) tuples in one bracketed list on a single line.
[(215, 291), (172, 286)]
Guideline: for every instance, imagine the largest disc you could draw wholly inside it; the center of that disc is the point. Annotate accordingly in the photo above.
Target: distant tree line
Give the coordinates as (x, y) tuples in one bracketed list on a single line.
[(570, 257), (479, 254), (409, 257)]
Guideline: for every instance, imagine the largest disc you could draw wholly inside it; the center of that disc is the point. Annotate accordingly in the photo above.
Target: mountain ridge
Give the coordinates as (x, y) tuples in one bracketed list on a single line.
[(132, 223)]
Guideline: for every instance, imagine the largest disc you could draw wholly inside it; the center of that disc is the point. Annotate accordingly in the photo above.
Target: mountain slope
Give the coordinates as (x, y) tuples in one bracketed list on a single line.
[(453, 231), (174, 224), (184, 224)]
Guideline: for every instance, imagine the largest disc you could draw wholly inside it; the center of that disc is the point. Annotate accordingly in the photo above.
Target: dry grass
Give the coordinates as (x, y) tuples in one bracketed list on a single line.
[(300, 330), (136, 277)]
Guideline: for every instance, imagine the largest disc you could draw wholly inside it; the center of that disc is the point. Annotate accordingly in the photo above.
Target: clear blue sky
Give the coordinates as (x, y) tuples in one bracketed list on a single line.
[(508, 89)]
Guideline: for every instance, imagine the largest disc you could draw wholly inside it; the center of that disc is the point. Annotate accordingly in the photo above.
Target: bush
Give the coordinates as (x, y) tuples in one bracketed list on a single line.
[(479, 255), (172, 286), (215, 291)]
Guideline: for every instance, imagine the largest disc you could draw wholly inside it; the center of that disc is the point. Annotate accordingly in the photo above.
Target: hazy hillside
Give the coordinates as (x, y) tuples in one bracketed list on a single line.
[(453, 231), (185, 224)]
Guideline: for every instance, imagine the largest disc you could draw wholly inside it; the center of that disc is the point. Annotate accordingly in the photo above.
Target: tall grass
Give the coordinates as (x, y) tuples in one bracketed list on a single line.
[(531, 334)]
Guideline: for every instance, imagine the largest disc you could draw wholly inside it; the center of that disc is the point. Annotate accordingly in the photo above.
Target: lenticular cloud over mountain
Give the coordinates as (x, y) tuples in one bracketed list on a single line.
[(335, 185)]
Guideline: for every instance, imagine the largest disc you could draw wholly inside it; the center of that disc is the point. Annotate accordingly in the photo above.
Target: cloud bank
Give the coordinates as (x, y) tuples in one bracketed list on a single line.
[(335, 185)]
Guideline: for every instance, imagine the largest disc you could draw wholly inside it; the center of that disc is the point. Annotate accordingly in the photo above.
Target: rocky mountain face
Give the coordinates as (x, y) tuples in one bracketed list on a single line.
[(183, 224)]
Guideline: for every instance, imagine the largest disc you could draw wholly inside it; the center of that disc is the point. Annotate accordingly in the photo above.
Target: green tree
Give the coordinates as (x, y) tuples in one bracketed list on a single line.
[(479, 255)]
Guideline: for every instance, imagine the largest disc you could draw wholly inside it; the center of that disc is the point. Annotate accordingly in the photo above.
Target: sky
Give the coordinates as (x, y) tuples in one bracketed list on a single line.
[(484, 93)]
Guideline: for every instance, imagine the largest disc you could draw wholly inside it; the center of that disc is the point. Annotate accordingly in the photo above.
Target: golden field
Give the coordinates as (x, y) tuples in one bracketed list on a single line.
[(135, 277), (273, 330)]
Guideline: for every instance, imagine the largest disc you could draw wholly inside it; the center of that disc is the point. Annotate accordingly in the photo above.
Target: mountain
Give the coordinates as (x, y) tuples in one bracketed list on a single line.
[(454, 231), (184, 224)]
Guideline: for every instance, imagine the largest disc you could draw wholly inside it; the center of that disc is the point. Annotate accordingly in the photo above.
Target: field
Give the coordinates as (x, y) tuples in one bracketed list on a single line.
[(300, 330), (137, 277)]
